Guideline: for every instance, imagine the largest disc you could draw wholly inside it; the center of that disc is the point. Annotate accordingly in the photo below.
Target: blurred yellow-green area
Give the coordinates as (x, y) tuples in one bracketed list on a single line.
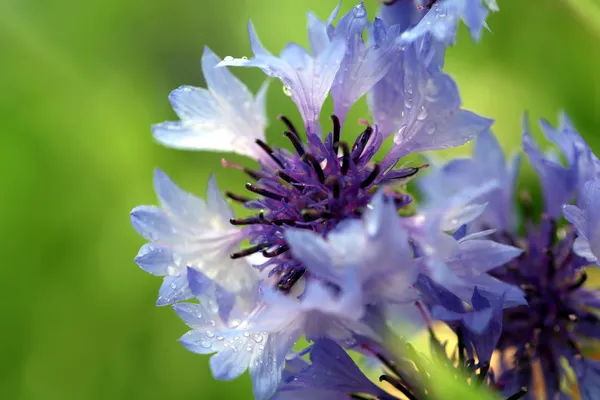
[(80, 85)]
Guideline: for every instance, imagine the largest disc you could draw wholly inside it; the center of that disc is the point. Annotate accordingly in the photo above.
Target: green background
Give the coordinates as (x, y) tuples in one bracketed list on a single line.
[(80, 85)]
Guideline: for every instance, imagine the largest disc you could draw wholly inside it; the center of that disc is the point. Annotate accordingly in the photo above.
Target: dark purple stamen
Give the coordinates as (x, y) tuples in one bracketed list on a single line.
[(288, 123), (275, 252), (248, 251), (578, 283), (293, 137), (269, 151), (245, 221), (345, 157), (288, 179), (336, 133), (288, 280), (315, 165), (264, 192), (236, 197), (371, 177)]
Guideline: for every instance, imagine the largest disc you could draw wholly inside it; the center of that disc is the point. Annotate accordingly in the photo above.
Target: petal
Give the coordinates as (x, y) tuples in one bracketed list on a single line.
[(223, 117), (309, 85), (317, 34), (197, 316), (558, 183), (198, 282), (441, 21), (176, 201), (266, 369), (314, 252), (173, 289), (479, 256), (431, 117), (362, 66), (154, 259), (153, 224), (333, 369), (229, 363), (217, 203)]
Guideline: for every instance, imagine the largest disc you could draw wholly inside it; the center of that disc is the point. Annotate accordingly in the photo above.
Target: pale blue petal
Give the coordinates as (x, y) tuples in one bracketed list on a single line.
[(479, 256), (153, 224), (317, 34), (176, 201), (308, 86), (216, 202), (173, 289), (224, 117), (266, 370), (558, 183), (154, 259)]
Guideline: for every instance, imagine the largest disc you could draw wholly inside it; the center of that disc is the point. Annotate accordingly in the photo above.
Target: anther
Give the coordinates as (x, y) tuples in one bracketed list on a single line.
[(313, 215), (248, 251), (267, 149), (315, 165), (288, 280), (274, 253), (236, 197), (518, 395), (336, 133), (288, 179), (293, 137), (288, 123), (371, 178), (245, 221), (345, 157), (264, 192), (578, 283)]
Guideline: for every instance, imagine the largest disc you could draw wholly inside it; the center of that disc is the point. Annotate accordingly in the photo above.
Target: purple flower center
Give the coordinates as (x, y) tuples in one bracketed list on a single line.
[(316, 187), (558, 313)]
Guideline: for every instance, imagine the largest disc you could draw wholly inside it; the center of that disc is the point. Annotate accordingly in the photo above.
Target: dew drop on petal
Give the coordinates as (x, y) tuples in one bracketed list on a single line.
[(422, 113), (287, 90), (228, 58)]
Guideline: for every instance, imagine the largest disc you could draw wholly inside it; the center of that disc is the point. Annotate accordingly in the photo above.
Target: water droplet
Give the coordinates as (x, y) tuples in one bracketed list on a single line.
[(409, 89), (206, 344), (257, 338), (244, 58), (422, 113), (359, 11), (408, 102), (173, 285), (212, 322), (249, 348), (246, 334), (430, 129), (220, 338), (287, 90), (228, 58), (210, 334)]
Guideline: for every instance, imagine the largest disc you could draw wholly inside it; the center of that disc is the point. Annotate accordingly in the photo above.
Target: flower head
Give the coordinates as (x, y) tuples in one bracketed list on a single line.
[(559, 315), (439, 18)]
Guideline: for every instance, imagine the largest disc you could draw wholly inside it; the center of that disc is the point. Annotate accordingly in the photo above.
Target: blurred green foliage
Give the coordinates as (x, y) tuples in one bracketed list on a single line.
[(80, 85)]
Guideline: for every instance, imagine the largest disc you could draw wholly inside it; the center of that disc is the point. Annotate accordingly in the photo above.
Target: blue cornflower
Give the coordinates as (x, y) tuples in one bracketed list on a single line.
[(323, 182), (587, 222), (437, 17), (551, 271), (263, 281)]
